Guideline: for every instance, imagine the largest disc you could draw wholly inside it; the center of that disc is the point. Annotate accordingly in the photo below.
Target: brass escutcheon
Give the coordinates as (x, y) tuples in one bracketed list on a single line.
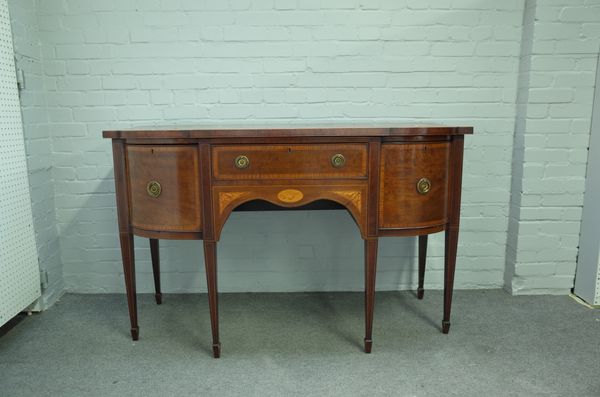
[(242, 162), (423, 186), (338, 160), (153, 188)]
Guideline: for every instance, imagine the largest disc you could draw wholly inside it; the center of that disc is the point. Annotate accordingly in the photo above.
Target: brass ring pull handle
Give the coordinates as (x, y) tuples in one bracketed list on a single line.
[(423, 186), (338, 160), (154, 189), (242, 162)]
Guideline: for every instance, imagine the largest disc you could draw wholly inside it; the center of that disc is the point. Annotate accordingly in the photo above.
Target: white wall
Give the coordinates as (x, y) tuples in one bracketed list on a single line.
[(114, 64), (556, 93)]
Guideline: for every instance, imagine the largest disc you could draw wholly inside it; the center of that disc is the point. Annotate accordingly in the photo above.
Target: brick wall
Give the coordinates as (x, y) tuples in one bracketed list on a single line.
[(115, 64), (561, 41)]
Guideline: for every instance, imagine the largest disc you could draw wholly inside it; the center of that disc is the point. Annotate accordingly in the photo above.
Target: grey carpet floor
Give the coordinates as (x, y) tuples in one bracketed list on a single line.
[(306, 344)]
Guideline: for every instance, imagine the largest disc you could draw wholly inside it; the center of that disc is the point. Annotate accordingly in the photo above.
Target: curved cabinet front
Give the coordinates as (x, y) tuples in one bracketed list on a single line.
[(413, 185), (164, 187)]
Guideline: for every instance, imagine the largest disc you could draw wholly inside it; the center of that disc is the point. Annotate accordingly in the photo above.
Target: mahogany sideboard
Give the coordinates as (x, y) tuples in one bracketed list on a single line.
[(184, 183)]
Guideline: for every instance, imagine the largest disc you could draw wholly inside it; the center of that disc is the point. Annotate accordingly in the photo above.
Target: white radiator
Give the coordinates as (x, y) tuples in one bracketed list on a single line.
[(19, 269)]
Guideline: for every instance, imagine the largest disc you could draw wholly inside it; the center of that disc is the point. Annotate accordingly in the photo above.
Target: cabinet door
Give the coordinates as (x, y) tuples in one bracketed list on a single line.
[(164, 187), (413, 184)]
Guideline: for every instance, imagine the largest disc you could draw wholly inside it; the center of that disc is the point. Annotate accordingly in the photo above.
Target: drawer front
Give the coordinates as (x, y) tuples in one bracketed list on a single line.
[(326, 161), (164, 187), (413, 185)]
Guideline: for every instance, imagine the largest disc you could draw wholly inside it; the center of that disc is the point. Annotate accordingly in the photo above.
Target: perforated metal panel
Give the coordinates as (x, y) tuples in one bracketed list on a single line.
[(587, 277), (19, 271), (597, 297)]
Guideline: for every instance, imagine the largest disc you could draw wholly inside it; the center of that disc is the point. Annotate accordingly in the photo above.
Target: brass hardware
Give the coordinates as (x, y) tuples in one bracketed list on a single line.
[(423, 186), (154, 189), (338, 160), (242, 162)]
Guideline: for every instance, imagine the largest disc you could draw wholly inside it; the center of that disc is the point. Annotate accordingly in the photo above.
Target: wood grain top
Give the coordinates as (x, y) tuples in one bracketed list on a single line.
[(270, 131)]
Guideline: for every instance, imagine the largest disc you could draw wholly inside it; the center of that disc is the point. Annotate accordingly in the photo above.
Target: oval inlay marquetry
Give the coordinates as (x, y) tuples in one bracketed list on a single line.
[(290, 195)]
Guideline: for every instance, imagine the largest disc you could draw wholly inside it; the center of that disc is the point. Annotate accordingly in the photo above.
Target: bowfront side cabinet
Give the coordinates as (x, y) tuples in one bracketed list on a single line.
[(184, 183)]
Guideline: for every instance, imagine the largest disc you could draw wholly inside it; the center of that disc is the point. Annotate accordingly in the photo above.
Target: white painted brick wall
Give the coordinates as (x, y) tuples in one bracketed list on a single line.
[(124, 63), (552, 136), (38, 146)]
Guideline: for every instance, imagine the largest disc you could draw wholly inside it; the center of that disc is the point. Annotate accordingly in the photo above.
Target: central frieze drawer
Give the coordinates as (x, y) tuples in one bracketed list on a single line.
[(326, 161)]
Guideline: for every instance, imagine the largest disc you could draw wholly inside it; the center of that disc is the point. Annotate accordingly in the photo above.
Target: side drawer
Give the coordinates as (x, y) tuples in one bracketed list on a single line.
[(326, 161), (413, 185), (164, 187)]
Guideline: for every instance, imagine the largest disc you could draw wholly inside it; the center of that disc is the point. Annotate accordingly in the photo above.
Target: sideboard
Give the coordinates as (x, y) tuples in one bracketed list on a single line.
[(183, 183)]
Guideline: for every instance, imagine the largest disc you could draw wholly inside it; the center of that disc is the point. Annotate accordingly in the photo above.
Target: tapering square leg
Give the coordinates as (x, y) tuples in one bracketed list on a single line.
[(422, 260), (127, 253), (210, 262), (449, 267), (154, 253), (370, 272)]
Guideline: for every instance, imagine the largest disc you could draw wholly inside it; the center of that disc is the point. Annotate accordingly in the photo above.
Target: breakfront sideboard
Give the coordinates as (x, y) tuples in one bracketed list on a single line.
[(184, 184)]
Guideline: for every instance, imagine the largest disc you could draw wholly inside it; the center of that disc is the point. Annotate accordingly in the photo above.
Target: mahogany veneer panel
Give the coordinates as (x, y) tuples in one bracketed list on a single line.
[(177, 208), (402, 166), (352, 197), (268, 131), (290, 161)]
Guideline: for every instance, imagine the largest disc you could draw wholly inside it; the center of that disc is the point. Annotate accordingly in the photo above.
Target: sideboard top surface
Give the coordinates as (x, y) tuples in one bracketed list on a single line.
[(270, 131)]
